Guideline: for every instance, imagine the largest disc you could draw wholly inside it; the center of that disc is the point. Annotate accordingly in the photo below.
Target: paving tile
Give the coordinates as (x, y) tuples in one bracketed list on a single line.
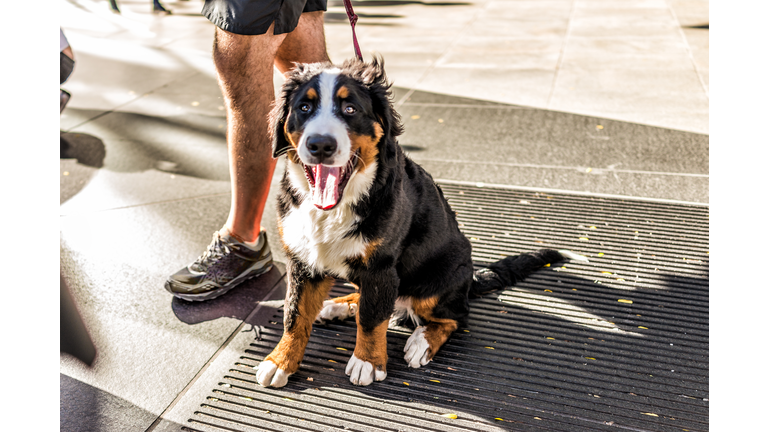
[(503, 53), (547, 138), (84, 407), (529, 87)]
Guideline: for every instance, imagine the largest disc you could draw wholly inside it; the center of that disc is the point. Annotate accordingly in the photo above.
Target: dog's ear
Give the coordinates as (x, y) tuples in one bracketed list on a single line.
[(379, 88), (277, 118)]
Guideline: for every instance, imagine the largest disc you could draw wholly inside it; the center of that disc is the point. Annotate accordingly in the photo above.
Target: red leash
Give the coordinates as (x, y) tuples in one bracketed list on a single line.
[(352, 22)]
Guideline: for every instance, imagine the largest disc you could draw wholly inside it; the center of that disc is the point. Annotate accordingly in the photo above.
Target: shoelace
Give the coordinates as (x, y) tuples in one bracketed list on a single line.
[(216, 250)]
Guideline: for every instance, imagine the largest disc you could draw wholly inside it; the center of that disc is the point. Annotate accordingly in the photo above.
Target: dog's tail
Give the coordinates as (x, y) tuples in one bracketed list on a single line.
[(513, 269)]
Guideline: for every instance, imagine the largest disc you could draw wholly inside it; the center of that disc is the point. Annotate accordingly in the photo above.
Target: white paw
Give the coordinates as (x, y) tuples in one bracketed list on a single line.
[(268, 375), (417, 349), (362, 372), (332, 310)]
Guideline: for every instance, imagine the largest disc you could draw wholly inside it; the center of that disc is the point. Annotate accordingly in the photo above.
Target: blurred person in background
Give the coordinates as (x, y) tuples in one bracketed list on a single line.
[(157, 7)]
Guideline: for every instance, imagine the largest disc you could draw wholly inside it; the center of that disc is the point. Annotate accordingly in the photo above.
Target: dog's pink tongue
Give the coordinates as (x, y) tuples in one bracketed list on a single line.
[(326, 193)]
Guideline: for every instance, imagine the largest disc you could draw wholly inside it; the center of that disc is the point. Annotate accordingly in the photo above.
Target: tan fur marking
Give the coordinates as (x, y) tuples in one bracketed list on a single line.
[(293, 138), (370, 248), (312, 94), (290, 350), (438, 329), (348, 299), (367, 145), (372, 346), (343, 92)]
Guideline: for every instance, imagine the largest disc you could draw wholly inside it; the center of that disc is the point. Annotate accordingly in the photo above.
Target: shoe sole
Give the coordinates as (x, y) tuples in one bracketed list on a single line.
[(223, 289)]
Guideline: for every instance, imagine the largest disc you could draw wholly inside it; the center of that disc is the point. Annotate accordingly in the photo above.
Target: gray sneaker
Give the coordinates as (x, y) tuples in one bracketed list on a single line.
[(225, 264)]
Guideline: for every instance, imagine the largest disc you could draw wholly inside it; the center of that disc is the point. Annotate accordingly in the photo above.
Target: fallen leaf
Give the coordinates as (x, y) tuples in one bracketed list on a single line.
[(415, 117), (584, 238), (598, 127), (620, 280), (625, 301), (600, 254), (651, 414), (589, 169), (550, 338), (450, 416), (593, 227), (406, 383), (490, 347), (310, 379), (340, 348), (606, 272), (642, 327), (450, 368), (546, 265), (439, 120), (590, 358), (435, 381), (524, 202), (332, 361), (499, 419), (547, 290)]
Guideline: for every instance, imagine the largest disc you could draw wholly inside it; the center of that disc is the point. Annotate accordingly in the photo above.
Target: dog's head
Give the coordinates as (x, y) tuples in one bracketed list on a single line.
[(336, 124)]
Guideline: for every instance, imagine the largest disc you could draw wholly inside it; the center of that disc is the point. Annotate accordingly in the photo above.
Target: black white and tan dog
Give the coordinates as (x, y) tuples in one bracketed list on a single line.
[(353, 206)]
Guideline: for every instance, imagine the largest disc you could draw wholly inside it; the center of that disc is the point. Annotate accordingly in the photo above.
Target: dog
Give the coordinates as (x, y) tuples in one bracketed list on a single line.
[(353, 206)]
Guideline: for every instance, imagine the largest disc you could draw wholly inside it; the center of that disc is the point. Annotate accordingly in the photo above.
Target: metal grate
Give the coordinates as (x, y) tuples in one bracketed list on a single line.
[(619, 342)]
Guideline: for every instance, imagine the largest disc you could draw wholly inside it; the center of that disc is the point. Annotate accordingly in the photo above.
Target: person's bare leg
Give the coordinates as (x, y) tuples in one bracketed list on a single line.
[(244, 66), (306, 44)]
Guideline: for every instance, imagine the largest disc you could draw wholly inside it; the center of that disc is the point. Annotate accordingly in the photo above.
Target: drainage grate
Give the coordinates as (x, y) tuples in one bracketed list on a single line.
[(619, 342)]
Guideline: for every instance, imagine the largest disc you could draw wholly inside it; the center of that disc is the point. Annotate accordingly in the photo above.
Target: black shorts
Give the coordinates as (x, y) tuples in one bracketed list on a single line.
[(253, 17)]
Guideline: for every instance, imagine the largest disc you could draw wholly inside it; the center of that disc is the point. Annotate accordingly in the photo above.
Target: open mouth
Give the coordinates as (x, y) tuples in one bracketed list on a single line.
[(326, 184)]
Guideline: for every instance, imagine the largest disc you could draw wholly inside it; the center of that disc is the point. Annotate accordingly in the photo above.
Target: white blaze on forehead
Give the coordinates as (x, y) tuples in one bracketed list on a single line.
[(325, 122)]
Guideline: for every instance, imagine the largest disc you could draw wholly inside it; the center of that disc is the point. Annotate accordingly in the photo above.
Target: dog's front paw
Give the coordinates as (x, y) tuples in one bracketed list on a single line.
[(333, 310), (269, 375), (362, 372), (417, 349)]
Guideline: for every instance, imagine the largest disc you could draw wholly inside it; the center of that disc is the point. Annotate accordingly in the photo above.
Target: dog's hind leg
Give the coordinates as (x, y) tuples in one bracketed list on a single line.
[(302, 304), (339, 308), (427, 339)]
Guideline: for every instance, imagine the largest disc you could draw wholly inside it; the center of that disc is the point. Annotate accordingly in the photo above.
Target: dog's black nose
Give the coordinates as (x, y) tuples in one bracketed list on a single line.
[(321, 146)]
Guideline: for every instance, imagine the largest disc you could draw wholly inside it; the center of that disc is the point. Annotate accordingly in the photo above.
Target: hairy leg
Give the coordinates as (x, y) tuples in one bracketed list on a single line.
[(244, 67), (305, 44)]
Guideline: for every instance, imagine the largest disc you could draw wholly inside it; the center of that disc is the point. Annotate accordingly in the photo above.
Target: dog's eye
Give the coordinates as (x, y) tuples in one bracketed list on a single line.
[(305, 107), (349, 109)]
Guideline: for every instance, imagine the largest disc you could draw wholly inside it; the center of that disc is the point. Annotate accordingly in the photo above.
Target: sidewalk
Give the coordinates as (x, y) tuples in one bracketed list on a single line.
[(576, 95)]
